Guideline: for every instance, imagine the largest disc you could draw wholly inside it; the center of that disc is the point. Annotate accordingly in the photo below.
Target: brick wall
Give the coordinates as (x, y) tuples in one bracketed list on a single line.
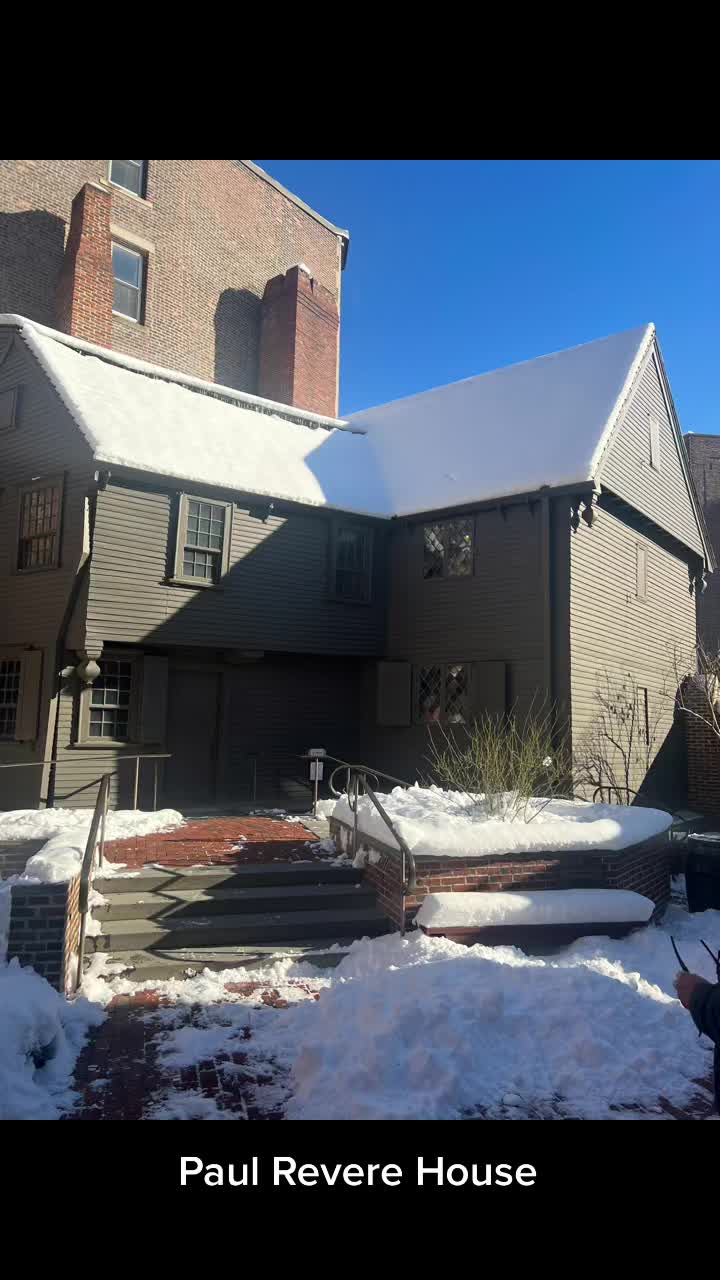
[(213, 232), (85, 284), (644, 869), (45, 930), (704, 454), (703, 752)]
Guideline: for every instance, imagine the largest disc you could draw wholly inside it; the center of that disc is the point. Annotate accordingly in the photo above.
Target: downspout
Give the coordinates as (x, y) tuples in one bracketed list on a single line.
[(61, 642)]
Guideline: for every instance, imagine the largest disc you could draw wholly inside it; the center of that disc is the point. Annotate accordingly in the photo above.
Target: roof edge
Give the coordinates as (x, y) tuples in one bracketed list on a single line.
[(324, 222), (617, 410), (304, 417)]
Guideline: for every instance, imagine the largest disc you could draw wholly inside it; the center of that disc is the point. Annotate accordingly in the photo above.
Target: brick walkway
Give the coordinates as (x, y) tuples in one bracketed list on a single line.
[(120, 1075), (224, 841)]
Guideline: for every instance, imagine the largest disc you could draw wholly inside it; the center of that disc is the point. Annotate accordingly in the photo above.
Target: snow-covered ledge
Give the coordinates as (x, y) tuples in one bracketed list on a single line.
[(551, 845)]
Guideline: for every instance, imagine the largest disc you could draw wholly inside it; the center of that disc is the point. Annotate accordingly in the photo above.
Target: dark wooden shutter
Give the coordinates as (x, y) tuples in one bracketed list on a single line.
[(153, 700), (29, 704), (488, 689), (394, 686)]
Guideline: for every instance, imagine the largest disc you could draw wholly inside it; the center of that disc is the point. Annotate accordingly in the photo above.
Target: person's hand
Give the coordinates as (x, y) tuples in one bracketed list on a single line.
[(686, 985)]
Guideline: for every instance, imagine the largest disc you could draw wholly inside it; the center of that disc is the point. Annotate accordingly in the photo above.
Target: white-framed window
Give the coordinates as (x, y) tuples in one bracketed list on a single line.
[(352, 563), (442, 692), (20, 671), (654, 441), (202, 547), (448, 548), (108, 705), (128, 267), (39, 525), (129, 174)]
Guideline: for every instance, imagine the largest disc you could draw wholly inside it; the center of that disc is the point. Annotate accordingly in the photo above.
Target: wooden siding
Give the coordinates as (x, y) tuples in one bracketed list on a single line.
[(274, 596), (662, 495), (610, 629), (45, 442), (497, 614)]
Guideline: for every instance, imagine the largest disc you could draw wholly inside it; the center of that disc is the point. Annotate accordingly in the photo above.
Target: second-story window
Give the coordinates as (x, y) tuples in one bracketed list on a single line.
[(352, 563), (129, 174), (39, 527), (129, 279), (203, 541), (448, 548)]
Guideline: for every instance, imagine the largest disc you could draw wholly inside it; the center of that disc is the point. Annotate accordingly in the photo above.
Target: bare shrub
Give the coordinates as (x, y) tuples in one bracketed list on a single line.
[(615, 754)]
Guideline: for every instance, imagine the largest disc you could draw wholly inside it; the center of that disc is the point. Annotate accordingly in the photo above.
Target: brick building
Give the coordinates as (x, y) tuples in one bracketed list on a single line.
[(704, 454), (208, 267)]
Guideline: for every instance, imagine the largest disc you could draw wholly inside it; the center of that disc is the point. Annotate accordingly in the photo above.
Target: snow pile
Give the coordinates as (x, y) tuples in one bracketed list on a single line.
[(66, 831), (41, 1035), (543, 906), (434, 822)]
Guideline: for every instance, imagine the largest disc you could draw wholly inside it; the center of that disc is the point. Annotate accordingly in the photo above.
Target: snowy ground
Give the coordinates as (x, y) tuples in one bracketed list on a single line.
[(433, 821), (421, 1028)]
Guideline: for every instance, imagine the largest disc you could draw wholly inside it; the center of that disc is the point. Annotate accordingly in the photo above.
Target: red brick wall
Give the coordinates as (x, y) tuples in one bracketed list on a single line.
[(85, 285), (703, 752), (214, 233), (645, 869), (45, 930), (299, 343)]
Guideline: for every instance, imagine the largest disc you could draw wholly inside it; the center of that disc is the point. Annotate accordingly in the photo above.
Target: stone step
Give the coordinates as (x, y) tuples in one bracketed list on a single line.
[(237, 930), (150, 878), (183, 962), (219, 900)]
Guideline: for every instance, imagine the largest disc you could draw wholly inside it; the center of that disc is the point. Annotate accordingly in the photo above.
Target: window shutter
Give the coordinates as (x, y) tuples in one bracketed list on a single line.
[(153, 701), (27, 712), (394, 693), (489, 688), (641, 572)]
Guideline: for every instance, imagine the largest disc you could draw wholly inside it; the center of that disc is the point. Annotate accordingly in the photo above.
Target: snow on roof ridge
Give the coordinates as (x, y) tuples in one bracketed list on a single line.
[(304, 416), (505, 368)]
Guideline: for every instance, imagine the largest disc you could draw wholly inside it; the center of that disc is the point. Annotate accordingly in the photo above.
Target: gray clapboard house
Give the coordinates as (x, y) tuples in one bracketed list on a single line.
[(190, 570)]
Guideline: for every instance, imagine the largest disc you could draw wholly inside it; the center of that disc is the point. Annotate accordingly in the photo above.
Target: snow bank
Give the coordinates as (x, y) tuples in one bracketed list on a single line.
[(66, 831), (544, 906), (41, 1035), (434, 822)]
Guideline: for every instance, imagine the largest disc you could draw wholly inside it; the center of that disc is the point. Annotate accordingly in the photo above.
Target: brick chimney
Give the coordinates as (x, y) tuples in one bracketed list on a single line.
[(84, 297), (299, 343)]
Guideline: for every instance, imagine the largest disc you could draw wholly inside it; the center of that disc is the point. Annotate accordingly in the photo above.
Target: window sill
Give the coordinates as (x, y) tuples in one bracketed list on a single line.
[(333, 599), (120, 315), (191, 583), (99, 744), (40, 568), (132, 195)]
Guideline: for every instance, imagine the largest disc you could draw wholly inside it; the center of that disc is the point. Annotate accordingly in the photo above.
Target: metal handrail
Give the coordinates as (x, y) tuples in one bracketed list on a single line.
[(357, 776), (88, 863), (119, 759)]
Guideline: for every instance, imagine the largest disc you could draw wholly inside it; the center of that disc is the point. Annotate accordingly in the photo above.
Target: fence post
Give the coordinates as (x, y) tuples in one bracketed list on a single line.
[(137, 782)]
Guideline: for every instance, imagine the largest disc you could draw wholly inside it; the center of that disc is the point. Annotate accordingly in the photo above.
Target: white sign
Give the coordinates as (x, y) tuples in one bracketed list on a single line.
[(316, 770), (316, 752)]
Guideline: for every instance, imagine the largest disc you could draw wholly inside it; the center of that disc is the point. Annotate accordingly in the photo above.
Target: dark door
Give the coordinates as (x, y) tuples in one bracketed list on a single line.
[(191, 773)]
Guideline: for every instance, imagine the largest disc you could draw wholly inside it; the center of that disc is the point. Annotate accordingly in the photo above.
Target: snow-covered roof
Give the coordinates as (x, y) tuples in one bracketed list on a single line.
[(542, 422)]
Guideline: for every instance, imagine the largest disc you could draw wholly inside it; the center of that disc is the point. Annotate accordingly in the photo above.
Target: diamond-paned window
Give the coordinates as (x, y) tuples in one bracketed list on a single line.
[(9, 696), (456, 693), (39, 527), (448, 548), (429, 694), (204, 540), (109, 713)]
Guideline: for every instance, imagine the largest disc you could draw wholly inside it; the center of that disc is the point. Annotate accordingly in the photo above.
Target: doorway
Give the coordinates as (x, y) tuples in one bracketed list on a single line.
[(192, 737)]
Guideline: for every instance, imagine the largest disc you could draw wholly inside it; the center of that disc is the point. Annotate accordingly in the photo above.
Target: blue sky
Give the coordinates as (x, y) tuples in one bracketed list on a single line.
[(459, 266)]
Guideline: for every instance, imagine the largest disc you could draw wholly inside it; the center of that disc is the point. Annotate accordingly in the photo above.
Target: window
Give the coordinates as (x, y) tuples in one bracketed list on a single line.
[(129, 174), (448, 549), (203, 544), (8, 409), (644, 716), (654, 434), (39, 526), (10, 671), (109, 701), (128, 275), (352, 563), (442, 693), (640, 572)]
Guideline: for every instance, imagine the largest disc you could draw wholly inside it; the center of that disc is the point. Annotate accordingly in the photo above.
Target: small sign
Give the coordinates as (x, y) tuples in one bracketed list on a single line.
[(316, 770), (316, 752)]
